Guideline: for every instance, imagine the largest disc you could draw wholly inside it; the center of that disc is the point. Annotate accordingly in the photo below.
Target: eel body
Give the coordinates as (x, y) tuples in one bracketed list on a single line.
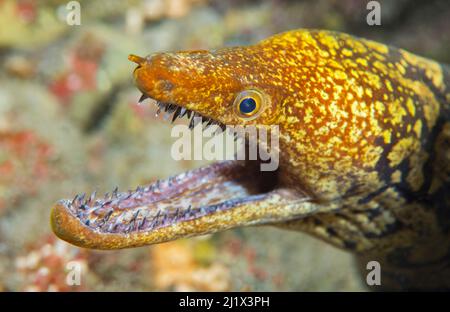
[(364, 154)]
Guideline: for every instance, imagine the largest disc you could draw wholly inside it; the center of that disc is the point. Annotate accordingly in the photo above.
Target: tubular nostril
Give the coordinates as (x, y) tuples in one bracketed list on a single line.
[(136, 59)]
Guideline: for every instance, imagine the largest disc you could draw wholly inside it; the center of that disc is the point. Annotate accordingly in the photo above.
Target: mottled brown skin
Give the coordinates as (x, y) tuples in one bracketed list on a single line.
[(364, 149)]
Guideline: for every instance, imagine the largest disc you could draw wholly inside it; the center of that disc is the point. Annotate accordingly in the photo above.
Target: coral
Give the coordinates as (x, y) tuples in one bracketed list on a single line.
[(46, 266), (174, 267), (25, 161)]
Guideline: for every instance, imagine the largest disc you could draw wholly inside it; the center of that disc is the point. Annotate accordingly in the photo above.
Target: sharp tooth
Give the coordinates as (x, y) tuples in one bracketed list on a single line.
[(183, 112), (191, 124), (188, 211), (219, 128), (108, 214), (158, 111), (75, 199), (176, 114), (172, 108), (195, 120), (135, 215), (93, 196), (143, 98), (141, 225)]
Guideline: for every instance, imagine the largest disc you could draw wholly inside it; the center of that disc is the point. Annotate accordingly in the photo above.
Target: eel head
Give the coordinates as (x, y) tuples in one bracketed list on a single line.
[(297, 81)]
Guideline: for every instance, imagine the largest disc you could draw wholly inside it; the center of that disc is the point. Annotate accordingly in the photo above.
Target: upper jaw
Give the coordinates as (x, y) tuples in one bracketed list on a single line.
[(174, 111)]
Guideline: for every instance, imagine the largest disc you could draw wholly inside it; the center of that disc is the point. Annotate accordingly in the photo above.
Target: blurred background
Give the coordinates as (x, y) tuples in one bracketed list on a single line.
[(70, 123)]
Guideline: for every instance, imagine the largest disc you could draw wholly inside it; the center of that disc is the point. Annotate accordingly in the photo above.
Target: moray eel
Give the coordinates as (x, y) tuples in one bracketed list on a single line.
[(364, 151)]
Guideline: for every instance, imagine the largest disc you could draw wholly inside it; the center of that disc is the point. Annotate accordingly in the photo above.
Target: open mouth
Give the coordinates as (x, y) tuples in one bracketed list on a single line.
[(182, 198), (217, 197), (187, 196)]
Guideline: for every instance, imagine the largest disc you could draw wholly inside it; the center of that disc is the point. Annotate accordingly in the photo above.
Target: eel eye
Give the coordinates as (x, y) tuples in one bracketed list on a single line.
[(248, 103)]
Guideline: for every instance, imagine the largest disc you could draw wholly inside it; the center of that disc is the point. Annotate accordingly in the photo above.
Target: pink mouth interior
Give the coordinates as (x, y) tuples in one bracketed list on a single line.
[(183, 197)]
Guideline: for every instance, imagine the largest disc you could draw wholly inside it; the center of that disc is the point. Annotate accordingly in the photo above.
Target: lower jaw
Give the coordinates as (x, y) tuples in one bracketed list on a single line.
[(204, 200)]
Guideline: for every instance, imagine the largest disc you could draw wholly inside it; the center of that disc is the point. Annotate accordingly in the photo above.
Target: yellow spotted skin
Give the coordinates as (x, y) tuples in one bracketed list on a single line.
[(364, 131)]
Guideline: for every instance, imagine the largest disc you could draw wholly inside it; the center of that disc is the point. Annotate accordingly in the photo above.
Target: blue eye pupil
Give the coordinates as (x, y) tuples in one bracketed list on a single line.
[(247, 105)]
